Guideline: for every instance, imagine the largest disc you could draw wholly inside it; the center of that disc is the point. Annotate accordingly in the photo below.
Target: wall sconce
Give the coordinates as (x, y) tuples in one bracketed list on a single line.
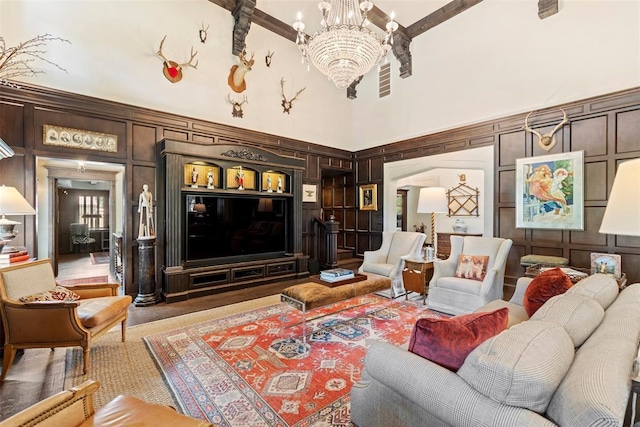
[(11, 203)]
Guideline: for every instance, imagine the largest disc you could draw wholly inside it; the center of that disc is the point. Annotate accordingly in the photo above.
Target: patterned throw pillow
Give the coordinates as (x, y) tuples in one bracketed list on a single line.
[(472, 267), (448, 342), (59, 293), (546, 285)]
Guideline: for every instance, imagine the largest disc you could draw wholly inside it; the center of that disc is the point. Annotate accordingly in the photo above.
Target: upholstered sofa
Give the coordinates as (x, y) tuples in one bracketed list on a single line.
[(570, 364)]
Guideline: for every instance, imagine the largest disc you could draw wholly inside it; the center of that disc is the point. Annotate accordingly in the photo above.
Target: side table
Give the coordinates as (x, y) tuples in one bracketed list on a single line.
[(416, 275)]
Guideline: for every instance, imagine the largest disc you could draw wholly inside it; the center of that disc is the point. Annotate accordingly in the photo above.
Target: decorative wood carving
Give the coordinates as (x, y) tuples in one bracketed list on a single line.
[(242, 14), (351, 90), (244, 154), (462, 200), (547, 8), (400, 46)]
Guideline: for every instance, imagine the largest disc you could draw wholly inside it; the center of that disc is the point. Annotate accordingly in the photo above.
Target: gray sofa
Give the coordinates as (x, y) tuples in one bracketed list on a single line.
[(569, 365)]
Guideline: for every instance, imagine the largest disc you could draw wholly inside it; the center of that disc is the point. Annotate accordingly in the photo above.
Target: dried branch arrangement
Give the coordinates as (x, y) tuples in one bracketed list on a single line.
[(18, 60)]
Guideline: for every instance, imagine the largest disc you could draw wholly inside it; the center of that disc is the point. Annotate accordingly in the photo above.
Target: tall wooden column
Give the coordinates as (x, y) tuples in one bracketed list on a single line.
[(147, 294)]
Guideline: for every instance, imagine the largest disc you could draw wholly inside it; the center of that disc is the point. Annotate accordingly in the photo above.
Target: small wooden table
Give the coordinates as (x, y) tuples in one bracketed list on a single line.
[(416, 275)]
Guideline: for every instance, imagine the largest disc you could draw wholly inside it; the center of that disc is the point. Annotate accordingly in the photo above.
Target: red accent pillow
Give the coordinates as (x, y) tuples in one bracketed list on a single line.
[(546, 285), (472, 267), (448, 342)]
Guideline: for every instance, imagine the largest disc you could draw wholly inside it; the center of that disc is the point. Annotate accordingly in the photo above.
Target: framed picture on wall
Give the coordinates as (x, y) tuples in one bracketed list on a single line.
[(369, 197), (549, 191), (310, 193), (76, 138)]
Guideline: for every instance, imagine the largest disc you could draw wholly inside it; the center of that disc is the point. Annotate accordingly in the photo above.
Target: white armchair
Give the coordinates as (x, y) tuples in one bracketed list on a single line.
[(388, 261), (456, 295)]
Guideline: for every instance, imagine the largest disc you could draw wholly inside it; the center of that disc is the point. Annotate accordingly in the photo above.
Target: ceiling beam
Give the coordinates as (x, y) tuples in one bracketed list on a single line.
[(380, 20), (446, 12), (243, 16)]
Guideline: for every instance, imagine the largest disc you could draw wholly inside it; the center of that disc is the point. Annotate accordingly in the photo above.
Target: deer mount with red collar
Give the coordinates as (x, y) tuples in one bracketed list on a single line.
[(171, 69)]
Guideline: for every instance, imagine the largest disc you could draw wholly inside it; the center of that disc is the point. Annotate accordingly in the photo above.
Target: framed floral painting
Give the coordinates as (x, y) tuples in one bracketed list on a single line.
[(549, 191)]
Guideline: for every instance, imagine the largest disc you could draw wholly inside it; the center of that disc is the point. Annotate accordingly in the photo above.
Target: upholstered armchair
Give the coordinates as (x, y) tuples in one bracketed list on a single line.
[(75, 407), (37, 313), (79, 233), (459, 295), (388, 261)]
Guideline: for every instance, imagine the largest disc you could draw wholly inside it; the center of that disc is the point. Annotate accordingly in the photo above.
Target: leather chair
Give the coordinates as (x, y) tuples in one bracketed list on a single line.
[(75, 407), (388, 261), (456, 295), (50, 324)]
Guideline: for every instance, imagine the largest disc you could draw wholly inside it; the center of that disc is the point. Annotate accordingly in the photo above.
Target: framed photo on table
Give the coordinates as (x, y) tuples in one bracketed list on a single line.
[(606, 264), (549, 191), (369, 197)]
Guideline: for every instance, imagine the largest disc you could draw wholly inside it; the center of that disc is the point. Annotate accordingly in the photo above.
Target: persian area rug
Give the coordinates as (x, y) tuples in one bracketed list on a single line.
[(84, 280), (255, 369), (99, 258)]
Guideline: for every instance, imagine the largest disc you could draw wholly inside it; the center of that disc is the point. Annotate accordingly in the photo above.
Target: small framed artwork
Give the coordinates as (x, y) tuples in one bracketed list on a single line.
[(310, 193), (549, 191), (76, 138), (606, 264), (369, 197)]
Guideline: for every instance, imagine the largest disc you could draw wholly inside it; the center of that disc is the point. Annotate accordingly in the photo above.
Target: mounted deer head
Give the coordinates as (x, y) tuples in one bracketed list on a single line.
[(172, 70), (286, 105), (267, 58), (203, 33), (236, 74), (547, 141), (237, 106)]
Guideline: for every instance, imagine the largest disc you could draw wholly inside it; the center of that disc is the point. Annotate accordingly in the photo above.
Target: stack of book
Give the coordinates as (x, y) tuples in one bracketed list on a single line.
[(12, 256), (336, 274)]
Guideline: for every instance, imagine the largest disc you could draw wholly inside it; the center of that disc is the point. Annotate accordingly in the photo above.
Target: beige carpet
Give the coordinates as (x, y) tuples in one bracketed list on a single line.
[(127, 368)]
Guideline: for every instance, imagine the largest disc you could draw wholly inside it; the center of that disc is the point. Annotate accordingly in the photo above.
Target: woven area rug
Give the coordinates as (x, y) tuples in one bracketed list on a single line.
[(254, 368), (99, 258), (128, 368)]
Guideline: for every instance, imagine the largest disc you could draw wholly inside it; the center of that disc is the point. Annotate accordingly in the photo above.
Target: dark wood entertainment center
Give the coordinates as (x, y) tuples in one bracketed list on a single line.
[(183, 172)]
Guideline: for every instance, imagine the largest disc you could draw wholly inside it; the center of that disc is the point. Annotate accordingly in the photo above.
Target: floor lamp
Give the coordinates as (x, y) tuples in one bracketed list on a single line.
[(432, 200), (622, 214)]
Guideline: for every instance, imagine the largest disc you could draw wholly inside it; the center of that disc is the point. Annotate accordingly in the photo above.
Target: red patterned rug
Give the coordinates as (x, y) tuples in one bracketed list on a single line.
[(84, 280), (254, 368)]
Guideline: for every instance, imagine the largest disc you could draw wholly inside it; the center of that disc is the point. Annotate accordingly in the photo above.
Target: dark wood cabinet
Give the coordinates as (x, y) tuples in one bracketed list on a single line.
[(201, 245), (444, 243)]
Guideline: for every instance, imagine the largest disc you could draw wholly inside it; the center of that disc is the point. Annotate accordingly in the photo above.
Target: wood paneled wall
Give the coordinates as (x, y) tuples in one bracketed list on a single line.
[(607, 128), (24, 111), (339, 200)]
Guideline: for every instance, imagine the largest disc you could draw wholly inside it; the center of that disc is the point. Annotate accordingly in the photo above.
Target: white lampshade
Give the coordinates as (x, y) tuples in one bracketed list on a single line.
[(622, 215), (12, 203), (432, 200), (5, 150)]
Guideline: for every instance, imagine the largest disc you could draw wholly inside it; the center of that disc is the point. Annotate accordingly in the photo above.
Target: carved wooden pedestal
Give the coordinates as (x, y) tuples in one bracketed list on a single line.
[(147, 294)]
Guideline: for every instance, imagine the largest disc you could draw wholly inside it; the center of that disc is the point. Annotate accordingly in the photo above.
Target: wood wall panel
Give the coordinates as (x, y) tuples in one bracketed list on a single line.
[(174, 134), (511, 146), (364, 172), (507, 223), (590, 135), (627, 135), (538, 235), (595, 183), (590, 235), (203, 139), (507, 186), (545, 250), (627, 242), (144, 141), (12, 124), (630, 263)]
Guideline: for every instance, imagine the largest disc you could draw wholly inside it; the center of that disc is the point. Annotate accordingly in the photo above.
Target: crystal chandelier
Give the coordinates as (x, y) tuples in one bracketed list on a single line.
[(344, 49)]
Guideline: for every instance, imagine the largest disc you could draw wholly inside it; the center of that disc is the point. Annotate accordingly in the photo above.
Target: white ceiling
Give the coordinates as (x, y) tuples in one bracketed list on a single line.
[(406, 11)]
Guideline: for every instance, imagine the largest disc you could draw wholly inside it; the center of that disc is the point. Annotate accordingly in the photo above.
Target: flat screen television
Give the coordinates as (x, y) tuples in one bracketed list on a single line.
[(232, 228)]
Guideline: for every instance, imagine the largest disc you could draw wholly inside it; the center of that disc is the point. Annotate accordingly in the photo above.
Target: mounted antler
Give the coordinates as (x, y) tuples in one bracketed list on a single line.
[(547, 141), (267, 58), (236, 74), (203, 33), (286, 105), (171, 69), (237, 106)]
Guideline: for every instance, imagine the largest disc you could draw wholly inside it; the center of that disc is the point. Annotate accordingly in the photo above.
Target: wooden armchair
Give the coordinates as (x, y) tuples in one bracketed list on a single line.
[(54, 323), (74, 407)]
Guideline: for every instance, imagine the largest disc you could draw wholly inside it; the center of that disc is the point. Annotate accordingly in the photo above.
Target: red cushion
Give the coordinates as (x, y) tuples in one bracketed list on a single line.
[(545, 286), (448, 342), (472, 267)]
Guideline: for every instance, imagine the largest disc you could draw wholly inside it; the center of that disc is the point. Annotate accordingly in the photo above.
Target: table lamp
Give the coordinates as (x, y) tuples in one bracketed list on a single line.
[(622, 214), (11, 203), (432, 200)]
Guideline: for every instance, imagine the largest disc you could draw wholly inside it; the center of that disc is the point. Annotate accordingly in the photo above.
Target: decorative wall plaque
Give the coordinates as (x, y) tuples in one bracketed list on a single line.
[(76, 138)]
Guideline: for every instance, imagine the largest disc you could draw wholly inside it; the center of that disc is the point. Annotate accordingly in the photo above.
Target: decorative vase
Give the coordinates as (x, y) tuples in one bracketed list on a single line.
[(459, 226)]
